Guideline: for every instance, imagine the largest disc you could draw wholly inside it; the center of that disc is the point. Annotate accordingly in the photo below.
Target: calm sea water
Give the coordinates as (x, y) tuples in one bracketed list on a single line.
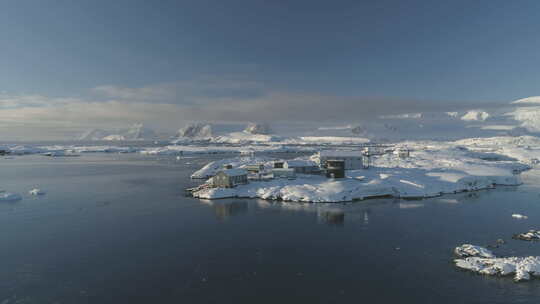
[(117, 229)]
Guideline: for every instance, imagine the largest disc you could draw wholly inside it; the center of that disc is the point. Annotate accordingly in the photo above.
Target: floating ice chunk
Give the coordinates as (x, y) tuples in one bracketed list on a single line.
[(520, 216), (468, 250), (410, 206), (479, 259), (36, 192), (9, 197), (448, 201), (531, 235), (521, 267)]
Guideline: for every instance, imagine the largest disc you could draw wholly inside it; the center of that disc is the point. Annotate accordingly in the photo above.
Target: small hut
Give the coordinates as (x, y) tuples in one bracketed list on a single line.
[(230, 178)]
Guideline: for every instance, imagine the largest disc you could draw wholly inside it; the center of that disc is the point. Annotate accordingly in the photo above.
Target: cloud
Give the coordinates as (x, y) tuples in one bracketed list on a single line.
[(185, 92), (148, 93), (241, 98), (78, 112), (171, 105), (18, 101)]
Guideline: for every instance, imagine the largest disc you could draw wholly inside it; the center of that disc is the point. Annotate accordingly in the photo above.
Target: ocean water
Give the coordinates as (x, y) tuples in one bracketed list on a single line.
[(117, 228)]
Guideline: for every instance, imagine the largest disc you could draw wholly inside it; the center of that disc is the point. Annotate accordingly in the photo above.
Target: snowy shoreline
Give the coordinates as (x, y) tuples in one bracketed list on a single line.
[(303, 191), (433, 169)]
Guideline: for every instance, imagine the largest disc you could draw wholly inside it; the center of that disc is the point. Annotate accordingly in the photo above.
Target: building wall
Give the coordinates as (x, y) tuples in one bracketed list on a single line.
[(283, 173), (351, 163), (303, 169), (223, 180), (254, 168)]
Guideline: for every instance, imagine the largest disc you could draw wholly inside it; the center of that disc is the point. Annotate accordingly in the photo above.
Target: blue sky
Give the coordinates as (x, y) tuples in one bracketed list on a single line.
[(206, 53)]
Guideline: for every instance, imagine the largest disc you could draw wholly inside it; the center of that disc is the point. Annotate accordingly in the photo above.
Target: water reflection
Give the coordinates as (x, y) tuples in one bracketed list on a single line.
[(332, 214), (366, 216), (334, 217), (338, 214), (226, 209)]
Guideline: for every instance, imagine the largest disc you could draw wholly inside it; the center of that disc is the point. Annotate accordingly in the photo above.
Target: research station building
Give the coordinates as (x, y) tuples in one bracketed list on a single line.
[(230, 178), (352, 160), (302, 166)]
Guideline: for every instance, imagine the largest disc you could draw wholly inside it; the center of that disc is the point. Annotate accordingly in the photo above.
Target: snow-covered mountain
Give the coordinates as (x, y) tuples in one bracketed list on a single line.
[(527, 113), (520, 117), (195, 130), (94, 134), (258, 128), (134, 132), (528, 100), (139, 132)]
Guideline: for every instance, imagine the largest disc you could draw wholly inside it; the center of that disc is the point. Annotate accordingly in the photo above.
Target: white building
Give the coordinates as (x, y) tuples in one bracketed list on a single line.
[(353, 160), (302, 166), (283, 173)]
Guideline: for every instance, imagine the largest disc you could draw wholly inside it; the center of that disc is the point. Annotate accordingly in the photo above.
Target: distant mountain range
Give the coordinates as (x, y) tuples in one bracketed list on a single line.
[(520, 117), (135, 132)]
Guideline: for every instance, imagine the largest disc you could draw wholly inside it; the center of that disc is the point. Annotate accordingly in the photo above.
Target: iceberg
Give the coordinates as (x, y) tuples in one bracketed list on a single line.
[(9, 197), (36, 192), (531, 235), (521, 267), (468, 250)]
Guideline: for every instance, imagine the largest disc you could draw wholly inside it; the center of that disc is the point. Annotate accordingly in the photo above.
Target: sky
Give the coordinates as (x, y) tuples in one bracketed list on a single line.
[(66, 66)]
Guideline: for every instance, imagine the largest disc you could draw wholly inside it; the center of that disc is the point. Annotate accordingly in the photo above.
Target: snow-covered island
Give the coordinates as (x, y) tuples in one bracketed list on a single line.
[(427, 169)]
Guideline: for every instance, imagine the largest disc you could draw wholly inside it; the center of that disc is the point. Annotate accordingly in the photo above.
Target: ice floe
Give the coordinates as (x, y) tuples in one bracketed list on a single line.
[(9, 197), (468, 250), (36, 191), (483, 261), (531, 235), (519, 216), (521, 267)]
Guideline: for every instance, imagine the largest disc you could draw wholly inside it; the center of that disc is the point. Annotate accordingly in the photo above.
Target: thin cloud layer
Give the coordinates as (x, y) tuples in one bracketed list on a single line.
[(168, 106)]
